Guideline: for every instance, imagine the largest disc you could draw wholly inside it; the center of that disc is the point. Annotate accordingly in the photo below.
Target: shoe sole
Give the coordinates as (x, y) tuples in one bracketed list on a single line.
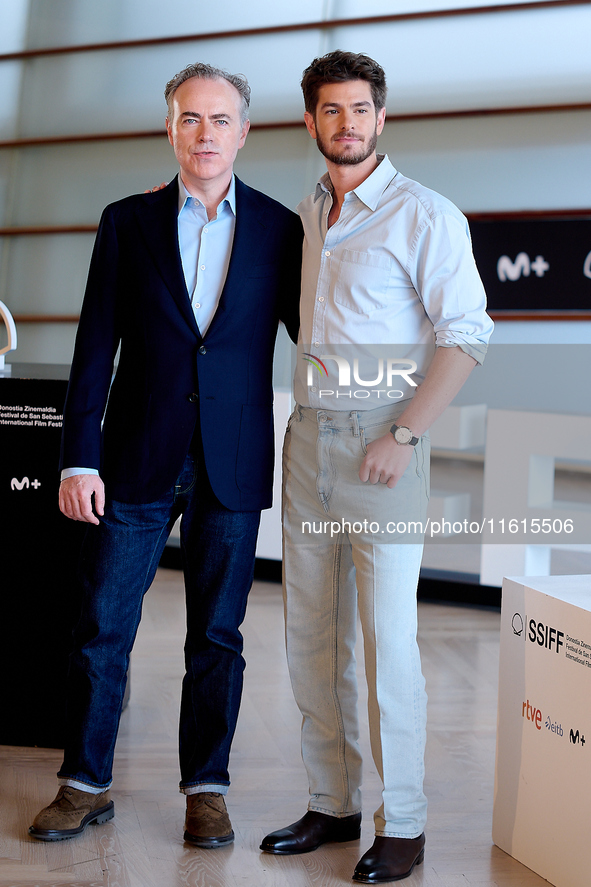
[(209, 843), (364, 879), (298, 852), (97, 817)]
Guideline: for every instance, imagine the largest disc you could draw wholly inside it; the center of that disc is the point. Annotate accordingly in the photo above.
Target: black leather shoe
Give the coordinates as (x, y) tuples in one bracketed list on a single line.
[(390, 859), (312, 830)]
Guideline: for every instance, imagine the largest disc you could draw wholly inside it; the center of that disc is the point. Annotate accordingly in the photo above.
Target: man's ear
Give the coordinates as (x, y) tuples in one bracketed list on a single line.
[(245, 129), (310, 125), (381, 120), (168, 130)]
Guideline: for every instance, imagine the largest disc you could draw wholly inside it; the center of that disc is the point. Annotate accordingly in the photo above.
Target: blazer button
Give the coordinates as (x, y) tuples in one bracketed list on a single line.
[(203, 350), (193, 398)]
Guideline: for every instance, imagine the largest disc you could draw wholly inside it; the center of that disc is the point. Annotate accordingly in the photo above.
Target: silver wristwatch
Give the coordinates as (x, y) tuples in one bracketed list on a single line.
[(404, 435)]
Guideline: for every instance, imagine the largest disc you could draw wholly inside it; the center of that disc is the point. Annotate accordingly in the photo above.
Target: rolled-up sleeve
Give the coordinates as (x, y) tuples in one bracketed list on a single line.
[(447, 281)]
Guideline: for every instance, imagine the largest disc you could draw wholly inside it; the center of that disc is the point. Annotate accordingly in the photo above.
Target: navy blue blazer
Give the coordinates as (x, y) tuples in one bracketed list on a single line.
[(168, 375)]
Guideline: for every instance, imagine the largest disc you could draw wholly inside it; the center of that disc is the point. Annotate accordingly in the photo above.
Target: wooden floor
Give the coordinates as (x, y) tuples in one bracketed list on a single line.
[(143, 846)]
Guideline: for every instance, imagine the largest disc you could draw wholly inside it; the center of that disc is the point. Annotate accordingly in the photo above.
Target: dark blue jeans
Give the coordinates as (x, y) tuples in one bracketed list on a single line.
[(118, 564)]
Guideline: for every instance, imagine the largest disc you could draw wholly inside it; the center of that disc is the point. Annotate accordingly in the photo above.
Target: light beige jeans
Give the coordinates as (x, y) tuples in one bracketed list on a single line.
[(346, 562)]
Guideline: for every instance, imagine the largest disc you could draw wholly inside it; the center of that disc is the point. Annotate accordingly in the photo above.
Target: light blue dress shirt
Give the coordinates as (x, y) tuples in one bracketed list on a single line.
[(206, 247), (396, 269)]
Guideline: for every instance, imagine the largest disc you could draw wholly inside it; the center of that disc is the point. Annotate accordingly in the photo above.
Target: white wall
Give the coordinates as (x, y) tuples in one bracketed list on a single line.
[(533, 161)]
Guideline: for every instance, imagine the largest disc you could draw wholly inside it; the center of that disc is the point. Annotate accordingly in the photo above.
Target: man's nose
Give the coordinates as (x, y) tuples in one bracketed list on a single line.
[(204, 133)]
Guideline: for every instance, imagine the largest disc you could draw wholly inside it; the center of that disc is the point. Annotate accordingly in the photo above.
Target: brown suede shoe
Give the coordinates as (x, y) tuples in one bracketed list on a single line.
[(70, 813), (207, 823)]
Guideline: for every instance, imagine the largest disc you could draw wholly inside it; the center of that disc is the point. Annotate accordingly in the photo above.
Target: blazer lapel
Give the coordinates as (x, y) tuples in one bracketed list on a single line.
[(248, 241), (158, 221)]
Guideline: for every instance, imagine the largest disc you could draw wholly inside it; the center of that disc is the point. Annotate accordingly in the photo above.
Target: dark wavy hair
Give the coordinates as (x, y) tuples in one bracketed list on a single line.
[(338, 67)]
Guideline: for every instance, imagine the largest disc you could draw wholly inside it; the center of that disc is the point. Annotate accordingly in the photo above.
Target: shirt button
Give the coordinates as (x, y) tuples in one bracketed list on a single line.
[(202, 267), (322, 417), (205, 230), (313, 388), (193, 398), (198, 305), (321, 298), (327, 253), (203, 350)]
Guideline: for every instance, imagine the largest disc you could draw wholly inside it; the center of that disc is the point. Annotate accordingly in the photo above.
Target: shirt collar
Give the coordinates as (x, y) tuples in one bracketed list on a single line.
[(230, 197), (371, 189)]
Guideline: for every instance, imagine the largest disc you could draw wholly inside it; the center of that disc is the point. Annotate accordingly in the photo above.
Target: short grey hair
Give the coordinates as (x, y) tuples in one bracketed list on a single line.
[(208, 72)]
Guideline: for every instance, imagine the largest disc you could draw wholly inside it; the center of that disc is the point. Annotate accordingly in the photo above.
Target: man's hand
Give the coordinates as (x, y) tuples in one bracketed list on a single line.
[(157, 188), (385, 462), (76, 497)]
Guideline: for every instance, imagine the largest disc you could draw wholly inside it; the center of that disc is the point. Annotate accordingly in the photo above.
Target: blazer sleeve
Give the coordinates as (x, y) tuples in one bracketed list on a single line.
[(289, 311), (97, 340)]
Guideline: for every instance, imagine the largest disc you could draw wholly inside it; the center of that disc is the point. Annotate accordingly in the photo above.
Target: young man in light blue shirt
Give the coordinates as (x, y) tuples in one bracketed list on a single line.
[(392, 297)]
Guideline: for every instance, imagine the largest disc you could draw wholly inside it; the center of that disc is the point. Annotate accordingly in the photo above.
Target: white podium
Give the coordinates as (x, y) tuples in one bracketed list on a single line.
[(542, 806)]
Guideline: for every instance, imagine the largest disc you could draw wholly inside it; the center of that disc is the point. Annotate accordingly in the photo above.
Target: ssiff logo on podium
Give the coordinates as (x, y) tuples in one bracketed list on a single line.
[(543, 764)]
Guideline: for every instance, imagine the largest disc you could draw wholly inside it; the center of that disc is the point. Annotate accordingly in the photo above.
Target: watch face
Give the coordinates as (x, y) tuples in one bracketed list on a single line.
[(403, 435)]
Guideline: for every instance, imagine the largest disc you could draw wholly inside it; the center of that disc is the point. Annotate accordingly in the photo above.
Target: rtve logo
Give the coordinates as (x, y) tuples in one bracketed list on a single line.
[(530, 713)]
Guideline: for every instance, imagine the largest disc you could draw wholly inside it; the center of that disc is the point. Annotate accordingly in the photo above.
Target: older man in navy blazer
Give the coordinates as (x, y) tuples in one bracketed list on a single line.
[(189, 283)]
